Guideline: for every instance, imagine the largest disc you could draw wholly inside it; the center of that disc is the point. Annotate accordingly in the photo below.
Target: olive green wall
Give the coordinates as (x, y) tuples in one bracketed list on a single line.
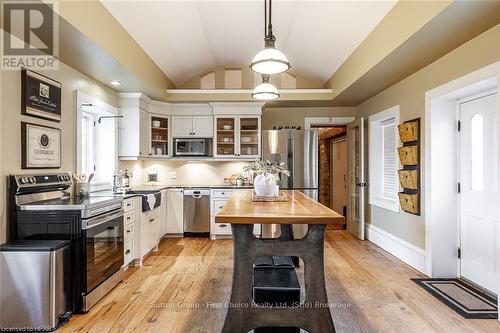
[(409, 94), (10, 124)]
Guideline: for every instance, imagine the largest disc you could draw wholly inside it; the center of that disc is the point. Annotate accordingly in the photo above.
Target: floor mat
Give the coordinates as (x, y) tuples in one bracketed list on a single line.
[(463, 298)]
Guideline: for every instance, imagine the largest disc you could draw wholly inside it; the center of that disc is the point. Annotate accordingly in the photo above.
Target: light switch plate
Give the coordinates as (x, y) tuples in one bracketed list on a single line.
[(173, 175)]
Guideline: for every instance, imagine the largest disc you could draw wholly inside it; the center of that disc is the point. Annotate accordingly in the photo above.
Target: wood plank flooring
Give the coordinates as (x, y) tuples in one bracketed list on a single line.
[(182, 289)]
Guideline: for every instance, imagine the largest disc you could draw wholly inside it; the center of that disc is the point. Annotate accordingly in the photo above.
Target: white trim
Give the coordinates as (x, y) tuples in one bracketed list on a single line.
[(373, 120), (327, 121), (82, 97), (490, 71), (246, 91), (406, 252)]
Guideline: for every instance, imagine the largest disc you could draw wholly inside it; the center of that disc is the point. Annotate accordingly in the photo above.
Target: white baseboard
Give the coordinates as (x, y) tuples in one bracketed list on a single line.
[(406, 252)]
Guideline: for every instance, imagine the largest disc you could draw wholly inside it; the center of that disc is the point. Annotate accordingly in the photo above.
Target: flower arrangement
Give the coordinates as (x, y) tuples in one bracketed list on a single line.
[(267, 167)]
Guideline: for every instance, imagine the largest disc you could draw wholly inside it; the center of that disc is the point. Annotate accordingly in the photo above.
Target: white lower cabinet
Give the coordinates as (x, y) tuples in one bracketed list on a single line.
[(129, 218), (149, 231), (163, 213), (218, 198), (175, 212)]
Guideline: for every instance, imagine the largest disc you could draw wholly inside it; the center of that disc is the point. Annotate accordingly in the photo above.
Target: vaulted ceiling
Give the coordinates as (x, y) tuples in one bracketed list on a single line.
[(186, 38)]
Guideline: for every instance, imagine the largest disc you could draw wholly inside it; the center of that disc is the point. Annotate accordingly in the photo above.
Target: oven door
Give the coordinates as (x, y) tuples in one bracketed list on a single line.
[(103, 247)]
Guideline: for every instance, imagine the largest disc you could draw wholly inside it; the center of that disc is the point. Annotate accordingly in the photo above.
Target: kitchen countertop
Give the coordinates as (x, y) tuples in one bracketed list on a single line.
[(146, 187), (298, 209)]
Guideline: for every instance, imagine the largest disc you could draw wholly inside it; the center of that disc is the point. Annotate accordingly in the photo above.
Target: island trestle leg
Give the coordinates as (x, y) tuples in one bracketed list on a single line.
[(313, 315)]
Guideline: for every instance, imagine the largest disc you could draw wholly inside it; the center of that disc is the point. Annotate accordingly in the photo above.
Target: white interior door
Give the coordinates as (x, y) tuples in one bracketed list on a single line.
[(479, 191), (356, 179)]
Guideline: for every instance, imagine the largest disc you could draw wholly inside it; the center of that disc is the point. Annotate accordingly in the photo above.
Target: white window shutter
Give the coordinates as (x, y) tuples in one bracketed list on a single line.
[(390, 186)]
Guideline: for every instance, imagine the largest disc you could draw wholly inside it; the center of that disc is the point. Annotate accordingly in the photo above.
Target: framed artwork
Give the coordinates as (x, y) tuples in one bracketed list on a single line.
[(41, 96), (40, 147)]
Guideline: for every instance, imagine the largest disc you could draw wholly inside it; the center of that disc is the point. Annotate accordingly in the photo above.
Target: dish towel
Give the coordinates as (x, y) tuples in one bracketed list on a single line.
[(151, 199)]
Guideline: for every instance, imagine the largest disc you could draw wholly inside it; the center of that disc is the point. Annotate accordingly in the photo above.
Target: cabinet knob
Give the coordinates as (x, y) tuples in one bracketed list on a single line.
[(151, 220), (128, 251), (223, 225), (128, 231)]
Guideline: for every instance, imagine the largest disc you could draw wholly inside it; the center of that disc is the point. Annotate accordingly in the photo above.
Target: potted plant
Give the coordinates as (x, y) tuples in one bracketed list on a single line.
[(239, 180), (265, 181)]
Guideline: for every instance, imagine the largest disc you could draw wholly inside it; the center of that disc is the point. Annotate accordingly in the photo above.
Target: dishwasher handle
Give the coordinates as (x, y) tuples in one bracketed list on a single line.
[(197, 193)]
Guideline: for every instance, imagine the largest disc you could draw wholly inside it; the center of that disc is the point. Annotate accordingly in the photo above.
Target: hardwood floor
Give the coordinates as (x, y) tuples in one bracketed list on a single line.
[(183, 287)]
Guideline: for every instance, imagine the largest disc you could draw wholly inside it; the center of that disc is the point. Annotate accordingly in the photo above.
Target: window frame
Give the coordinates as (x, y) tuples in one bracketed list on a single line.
[(376, 170), (89, 140)]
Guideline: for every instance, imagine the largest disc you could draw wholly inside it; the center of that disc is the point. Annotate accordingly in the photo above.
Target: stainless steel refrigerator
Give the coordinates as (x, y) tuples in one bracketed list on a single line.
[(299, 150)]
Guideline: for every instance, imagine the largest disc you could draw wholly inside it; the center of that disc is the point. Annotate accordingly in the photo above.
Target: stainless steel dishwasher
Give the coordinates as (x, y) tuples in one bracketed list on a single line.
[(197, 212)]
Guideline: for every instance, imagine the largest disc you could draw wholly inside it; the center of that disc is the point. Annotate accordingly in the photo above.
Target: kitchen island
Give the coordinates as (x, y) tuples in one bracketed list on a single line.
[(242, 213)]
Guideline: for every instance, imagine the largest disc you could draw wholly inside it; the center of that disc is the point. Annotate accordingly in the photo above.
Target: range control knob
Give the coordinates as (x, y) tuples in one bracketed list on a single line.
[(23, 180), (32, 180)]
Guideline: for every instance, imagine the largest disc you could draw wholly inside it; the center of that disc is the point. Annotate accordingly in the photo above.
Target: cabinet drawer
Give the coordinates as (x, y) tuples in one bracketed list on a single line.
[(222, 193), (128, 205), (128, 232), (221, 228), (128, 217), (128, 252), (408, 155)]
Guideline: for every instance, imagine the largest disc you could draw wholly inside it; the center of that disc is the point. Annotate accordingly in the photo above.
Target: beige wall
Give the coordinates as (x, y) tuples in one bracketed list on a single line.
[(188, 173), (409, 94), (295, 116), (10, 135)]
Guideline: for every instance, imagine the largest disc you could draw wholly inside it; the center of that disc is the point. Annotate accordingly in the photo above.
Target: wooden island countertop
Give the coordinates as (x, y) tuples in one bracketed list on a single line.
[(299, 209)]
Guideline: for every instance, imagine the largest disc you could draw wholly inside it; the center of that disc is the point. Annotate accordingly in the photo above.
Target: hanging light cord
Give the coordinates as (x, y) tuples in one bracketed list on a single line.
[(269, 38)]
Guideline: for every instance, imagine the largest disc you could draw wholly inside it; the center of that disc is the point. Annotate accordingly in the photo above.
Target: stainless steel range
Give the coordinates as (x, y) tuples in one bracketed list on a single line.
[(41, 208)]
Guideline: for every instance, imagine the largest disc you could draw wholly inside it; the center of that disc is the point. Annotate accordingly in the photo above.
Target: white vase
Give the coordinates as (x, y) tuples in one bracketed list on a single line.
[(264, 185)]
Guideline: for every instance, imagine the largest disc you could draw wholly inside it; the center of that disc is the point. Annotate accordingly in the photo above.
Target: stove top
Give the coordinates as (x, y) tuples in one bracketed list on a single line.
[(90, 206)]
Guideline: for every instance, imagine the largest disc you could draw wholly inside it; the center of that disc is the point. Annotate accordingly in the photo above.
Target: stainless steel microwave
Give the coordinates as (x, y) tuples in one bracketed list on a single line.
[(193, 147)]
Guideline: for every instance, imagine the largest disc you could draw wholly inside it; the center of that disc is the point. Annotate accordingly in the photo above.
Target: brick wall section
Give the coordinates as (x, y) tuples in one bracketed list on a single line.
[(326, 134)]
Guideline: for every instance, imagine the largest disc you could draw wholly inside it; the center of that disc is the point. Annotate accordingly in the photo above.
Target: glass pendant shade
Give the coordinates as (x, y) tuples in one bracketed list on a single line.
[(270, 61), (265, 91)]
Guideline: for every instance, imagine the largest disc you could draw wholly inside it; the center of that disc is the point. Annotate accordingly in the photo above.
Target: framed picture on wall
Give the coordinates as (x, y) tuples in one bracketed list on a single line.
[(41, 96), (40, 147)]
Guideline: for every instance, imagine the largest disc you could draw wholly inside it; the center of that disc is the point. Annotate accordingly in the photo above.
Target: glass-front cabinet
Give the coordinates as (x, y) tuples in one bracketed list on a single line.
[(237, 136), (159, 136)]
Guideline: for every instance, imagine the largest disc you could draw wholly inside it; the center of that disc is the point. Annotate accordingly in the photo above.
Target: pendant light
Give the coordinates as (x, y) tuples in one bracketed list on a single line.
[(269, 60), (265, 91)]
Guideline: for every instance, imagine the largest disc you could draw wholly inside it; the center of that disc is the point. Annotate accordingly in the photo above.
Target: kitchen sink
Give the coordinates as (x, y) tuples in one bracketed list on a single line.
[(144, 194)]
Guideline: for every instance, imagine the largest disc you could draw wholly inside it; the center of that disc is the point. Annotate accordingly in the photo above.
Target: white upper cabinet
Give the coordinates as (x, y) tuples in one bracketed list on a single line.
[(203, 126), (192, 126), (147, 127), (134, 133), (237, 130), (237, 137), (143, 134), (182, 126)]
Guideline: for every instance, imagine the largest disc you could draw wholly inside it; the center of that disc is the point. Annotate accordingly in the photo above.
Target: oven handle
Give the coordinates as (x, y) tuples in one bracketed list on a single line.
[(98, 220)]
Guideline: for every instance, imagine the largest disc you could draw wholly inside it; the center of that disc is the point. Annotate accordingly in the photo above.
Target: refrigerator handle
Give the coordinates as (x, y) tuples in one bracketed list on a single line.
[(290, 161)]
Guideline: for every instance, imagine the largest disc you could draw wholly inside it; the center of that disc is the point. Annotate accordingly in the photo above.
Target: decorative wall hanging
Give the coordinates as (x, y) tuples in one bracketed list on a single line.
[(40, 147), (40, 96), (409, 156)]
